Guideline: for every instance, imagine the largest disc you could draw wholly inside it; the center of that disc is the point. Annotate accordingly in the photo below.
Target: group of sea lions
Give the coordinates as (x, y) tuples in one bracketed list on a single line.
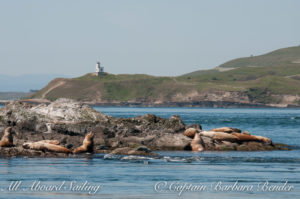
[(49, 145), (197, 144), (221, 134)]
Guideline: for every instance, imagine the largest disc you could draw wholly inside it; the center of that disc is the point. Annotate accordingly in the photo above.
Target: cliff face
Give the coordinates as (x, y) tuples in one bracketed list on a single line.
[(266, 80)]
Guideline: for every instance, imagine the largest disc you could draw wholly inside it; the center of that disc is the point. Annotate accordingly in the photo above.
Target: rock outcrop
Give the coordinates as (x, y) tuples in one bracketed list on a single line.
[(69, 122)]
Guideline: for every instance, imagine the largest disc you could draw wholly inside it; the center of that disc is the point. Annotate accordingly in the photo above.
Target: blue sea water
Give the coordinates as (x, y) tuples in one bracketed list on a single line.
[(166, 175)]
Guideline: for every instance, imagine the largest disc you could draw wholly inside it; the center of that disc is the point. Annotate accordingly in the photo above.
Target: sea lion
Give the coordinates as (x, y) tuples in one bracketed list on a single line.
[(263, 139), (197, 143), (56, 142), (190, 132), (221, 136), (45, 145), (208, 133), (87, 144), (247, 137), (227, 130), (7, 138)]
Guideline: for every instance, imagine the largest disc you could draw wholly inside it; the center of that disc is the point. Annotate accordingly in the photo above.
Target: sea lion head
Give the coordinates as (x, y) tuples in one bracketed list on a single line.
[(191, 132), (89, 141), (27, 145), (90, 135), (8, 130), (8, 133), (246, 133)]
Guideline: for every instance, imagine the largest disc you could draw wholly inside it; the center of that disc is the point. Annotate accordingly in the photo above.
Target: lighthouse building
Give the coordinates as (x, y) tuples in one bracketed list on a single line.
[(99, 69)]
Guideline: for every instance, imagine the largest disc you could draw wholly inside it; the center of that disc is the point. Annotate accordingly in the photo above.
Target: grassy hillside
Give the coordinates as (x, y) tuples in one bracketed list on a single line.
[(260, 78), (115, 87), (281, 56)]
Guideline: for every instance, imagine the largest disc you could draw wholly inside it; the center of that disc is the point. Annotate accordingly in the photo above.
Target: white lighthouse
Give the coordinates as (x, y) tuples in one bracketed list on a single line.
[(99, 69)]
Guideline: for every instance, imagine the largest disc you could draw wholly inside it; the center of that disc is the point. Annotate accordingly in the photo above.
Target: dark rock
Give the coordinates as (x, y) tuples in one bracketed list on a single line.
[(208, 143), (130, 151), (170, 142), (69, 146), (63, 140), (226, 146), (143, 148), (102, 148), (254, 146)]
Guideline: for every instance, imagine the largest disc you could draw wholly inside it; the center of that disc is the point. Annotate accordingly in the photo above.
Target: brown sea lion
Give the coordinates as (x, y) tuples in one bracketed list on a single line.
[(227, 130), (190, 132), (197, 143), (7, 138), (247, 137), (87, 144), (221, 136), (263, 139), (56, 142), (208, 133), (246, 132), (44, 145)]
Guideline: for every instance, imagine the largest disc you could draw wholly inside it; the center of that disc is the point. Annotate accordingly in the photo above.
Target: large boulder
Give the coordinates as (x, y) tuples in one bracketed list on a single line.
[(64, 116)]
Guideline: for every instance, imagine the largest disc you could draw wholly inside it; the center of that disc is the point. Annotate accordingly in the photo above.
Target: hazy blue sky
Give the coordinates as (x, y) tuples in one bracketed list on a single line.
[(158, 37)]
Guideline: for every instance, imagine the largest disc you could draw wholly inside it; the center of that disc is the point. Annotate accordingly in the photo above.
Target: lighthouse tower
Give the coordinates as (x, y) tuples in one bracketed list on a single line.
[(99, 69)]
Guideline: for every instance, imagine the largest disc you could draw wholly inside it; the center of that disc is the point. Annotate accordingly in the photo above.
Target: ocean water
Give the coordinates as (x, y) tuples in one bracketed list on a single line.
[(271, 174)]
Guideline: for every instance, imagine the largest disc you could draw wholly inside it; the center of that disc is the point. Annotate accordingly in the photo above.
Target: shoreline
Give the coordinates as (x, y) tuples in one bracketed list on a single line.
[(200, 104)]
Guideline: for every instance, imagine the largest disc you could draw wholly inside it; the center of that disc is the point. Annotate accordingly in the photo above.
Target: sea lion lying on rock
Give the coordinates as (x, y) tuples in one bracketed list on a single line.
[(56, 142), (46, 145), (190, 132), (87, 144), (263, 139), (227, 130), (7, 138), (221, 136), (247, 137), (197, 144), (208, 133)]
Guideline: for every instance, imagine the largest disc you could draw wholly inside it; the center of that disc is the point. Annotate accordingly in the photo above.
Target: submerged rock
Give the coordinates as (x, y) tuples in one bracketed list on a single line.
[(131, 151)]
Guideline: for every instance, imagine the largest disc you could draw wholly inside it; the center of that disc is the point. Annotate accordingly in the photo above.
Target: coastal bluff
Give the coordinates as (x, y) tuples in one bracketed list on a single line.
[(67, 122)]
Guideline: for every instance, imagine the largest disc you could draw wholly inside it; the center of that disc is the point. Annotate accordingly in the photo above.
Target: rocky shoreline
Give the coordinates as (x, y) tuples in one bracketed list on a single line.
[(196, 104), (68, 122)]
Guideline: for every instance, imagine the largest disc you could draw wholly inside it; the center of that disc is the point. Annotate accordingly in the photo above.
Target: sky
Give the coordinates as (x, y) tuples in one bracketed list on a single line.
[(156, 37)]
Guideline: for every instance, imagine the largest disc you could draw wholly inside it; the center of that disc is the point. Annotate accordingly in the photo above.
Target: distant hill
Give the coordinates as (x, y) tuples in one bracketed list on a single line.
[(272, 79), (281, 56)]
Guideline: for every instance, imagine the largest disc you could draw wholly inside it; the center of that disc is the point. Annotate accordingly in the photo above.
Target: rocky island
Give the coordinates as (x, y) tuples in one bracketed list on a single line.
[(66, 127)]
